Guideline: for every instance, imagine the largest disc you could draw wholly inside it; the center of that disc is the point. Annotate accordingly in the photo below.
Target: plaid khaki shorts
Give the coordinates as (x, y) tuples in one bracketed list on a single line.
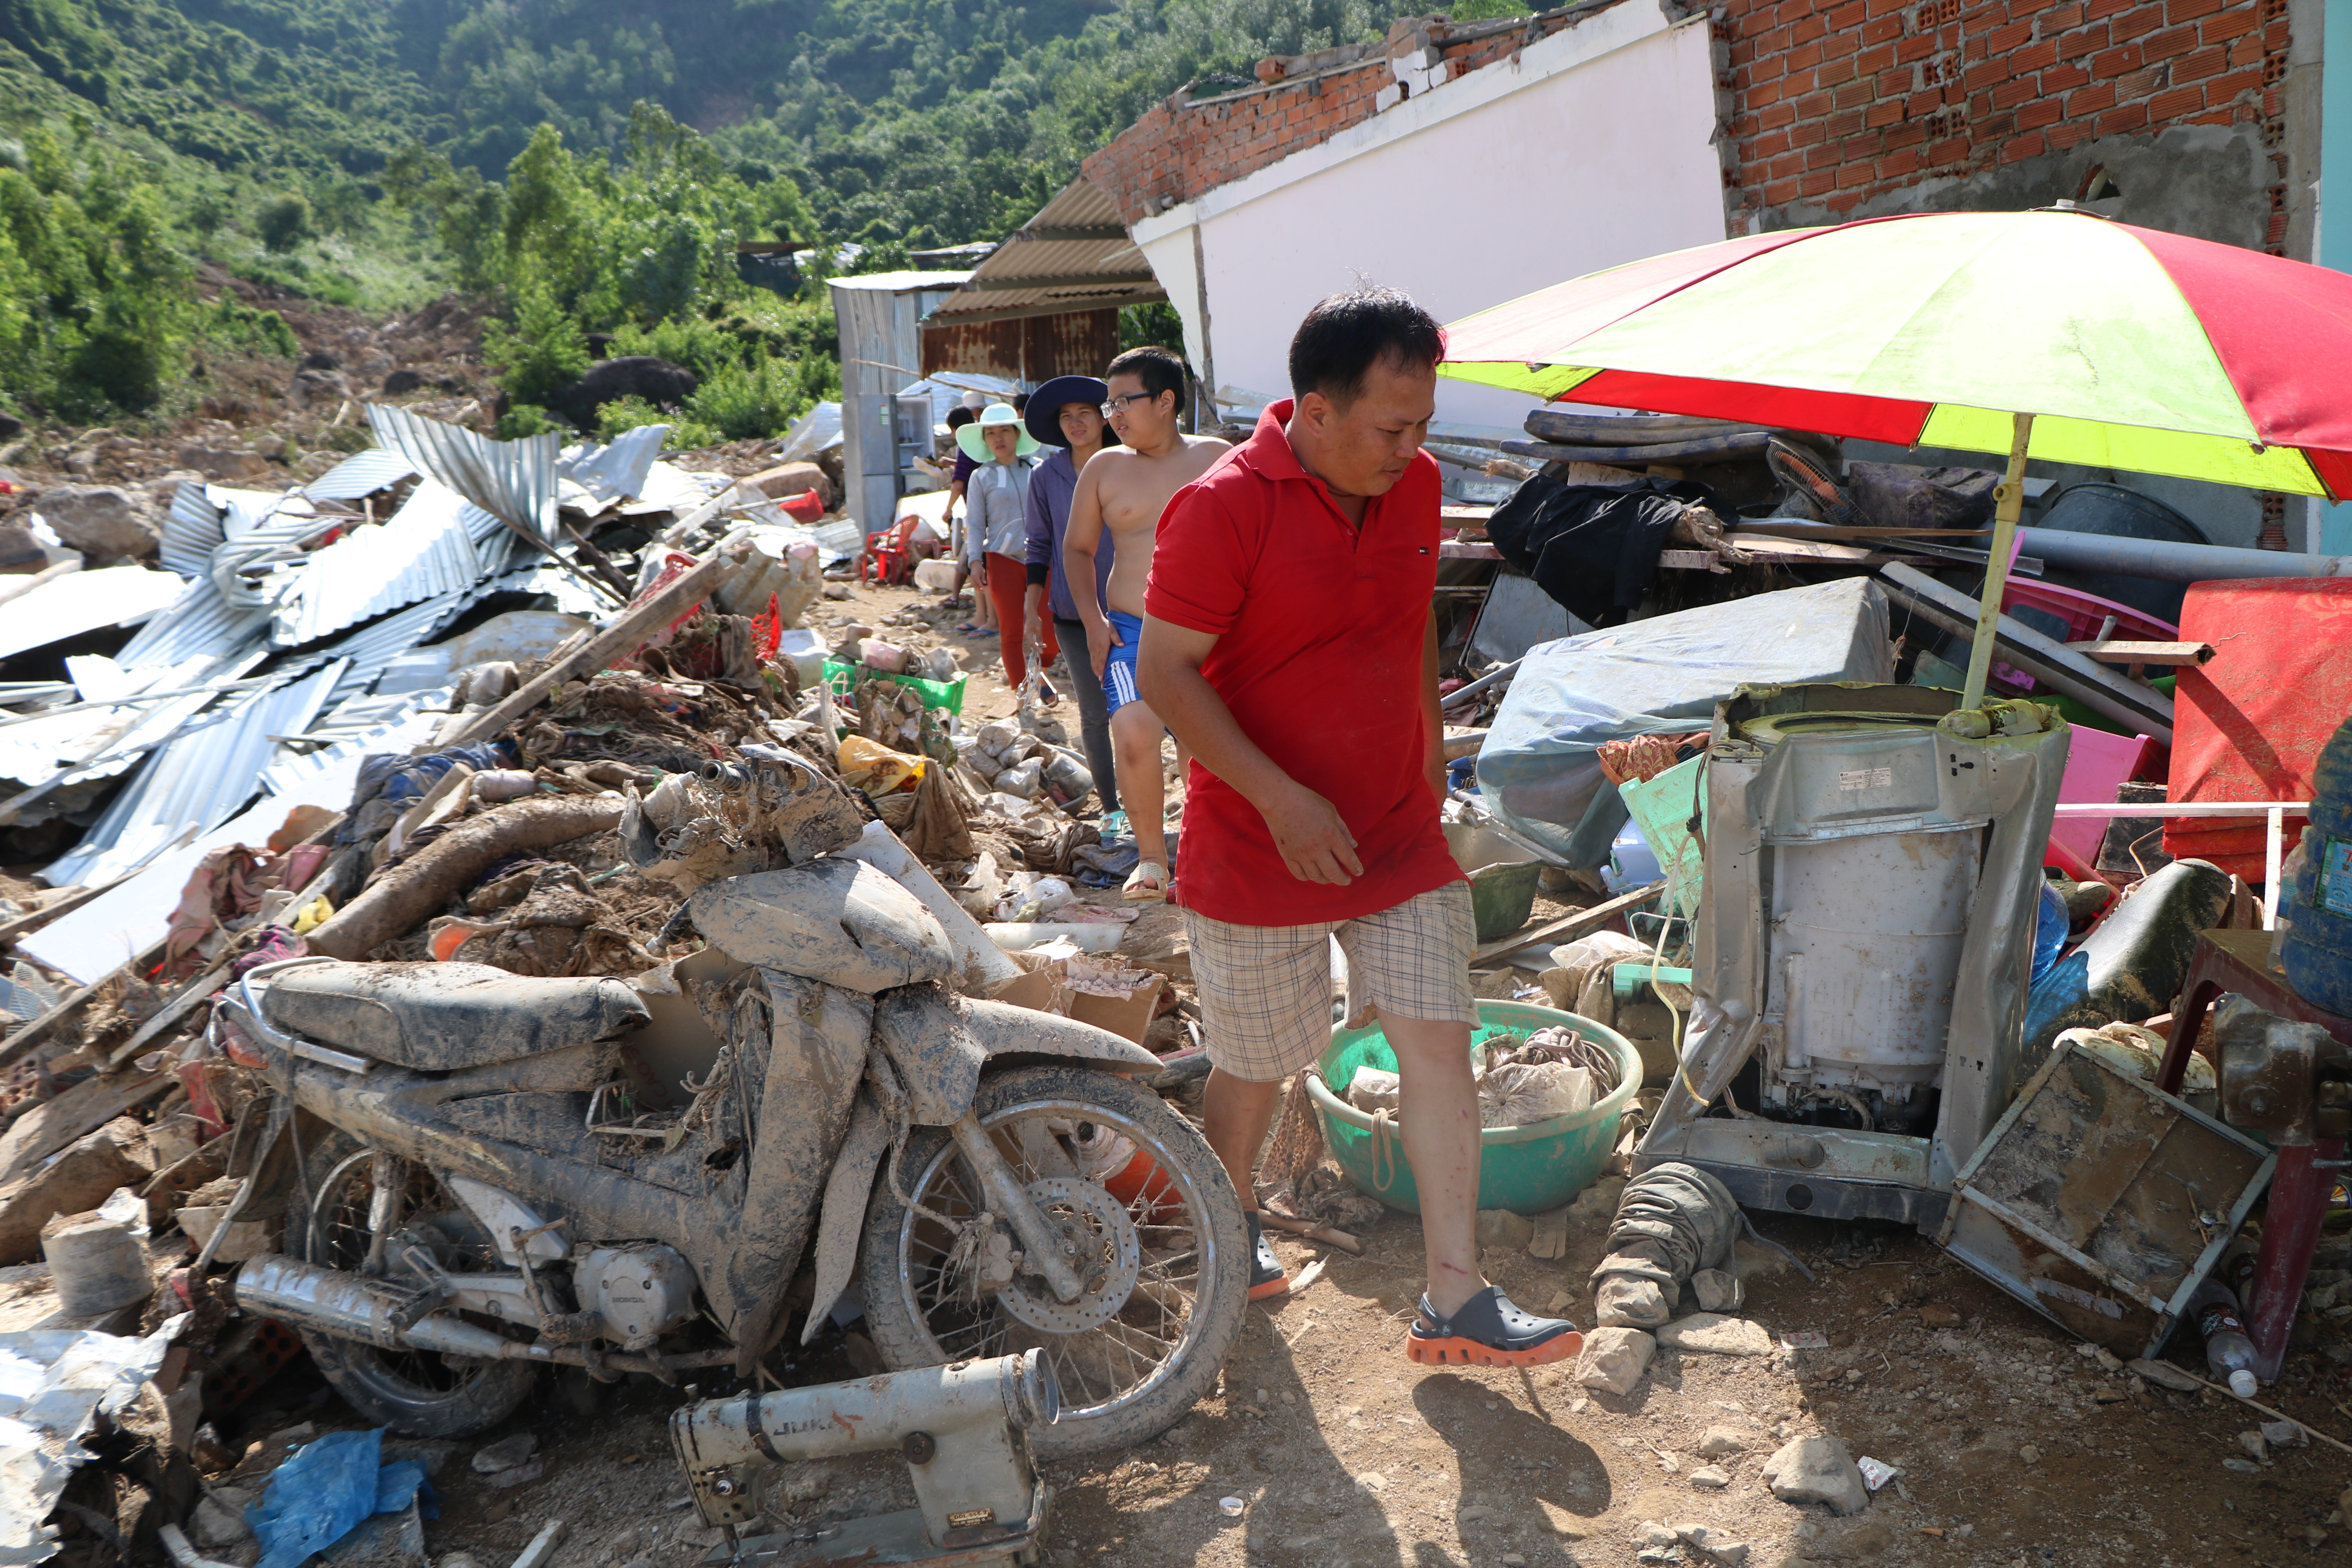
[(1266, 991)]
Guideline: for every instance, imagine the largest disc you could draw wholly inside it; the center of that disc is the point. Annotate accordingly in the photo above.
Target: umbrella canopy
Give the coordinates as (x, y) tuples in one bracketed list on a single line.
[(2132, 349)]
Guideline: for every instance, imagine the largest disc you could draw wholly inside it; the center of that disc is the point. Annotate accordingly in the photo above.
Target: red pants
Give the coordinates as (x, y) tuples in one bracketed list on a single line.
[(1008, 584)]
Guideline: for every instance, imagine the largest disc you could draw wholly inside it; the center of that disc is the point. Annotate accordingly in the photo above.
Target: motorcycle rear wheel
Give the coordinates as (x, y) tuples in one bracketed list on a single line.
[(416, 1392), (1137, 1371)]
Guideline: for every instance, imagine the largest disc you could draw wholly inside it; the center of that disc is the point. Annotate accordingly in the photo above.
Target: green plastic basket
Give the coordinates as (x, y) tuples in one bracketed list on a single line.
[(1527, 1170), (944, 695)]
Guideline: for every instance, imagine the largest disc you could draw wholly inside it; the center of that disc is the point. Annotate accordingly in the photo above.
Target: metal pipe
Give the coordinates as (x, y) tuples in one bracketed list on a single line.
[(2166, 561), (1462, 693)]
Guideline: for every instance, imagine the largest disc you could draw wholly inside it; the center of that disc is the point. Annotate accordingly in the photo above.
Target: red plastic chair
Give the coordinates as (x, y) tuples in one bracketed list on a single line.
[(890, 555)]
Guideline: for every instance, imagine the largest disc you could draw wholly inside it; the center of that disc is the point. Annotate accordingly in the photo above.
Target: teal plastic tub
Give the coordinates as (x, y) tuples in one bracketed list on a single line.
[(1527, 1170)]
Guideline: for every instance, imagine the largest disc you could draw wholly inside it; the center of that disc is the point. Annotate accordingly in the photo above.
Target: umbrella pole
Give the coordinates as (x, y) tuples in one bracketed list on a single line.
[(2009, 501)]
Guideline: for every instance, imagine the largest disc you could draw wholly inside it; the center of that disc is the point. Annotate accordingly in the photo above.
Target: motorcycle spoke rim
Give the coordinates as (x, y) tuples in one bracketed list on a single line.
[(340, 1236), (1117, 1360)]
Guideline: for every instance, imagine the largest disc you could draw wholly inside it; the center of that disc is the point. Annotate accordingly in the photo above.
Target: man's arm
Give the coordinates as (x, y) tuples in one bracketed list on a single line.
[(1433, 710), (1079, 542), (1308, 831)]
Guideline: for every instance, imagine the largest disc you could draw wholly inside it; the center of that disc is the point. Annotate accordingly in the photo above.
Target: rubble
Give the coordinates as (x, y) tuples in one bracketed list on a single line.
[(1817, 1469)]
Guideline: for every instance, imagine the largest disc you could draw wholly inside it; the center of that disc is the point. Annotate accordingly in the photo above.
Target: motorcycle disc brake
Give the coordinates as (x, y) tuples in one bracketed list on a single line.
[(1109, 1257)]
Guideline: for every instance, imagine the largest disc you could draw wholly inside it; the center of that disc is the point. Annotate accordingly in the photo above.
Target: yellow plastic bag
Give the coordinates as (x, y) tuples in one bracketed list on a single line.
[(876, 768)]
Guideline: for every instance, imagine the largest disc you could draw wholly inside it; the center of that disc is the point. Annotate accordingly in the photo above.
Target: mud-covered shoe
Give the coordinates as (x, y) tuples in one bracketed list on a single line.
[(1267, 1277), (1489, 1331)]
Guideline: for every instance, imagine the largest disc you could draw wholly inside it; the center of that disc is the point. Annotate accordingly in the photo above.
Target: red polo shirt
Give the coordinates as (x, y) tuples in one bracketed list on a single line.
[(1318, 625)]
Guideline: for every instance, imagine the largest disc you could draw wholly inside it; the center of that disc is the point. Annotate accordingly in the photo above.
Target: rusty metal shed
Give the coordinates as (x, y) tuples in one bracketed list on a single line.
[(1046, 302)]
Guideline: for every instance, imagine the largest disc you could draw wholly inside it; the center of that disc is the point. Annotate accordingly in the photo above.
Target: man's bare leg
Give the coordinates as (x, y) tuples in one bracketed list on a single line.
[(1438, 1110), (1234, 1115), (1135, 731)]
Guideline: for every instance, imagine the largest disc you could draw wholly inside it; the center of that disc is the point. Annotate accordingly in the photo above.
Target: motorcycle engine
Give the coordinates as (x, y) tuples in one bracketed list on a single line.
[(641, 1292)]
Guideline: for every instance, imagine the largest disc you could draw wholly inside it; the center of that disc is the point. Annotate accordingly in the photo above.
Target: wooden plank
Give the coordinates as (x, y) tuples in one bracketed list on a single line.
[(1468, 550), (191, 996), (1856, 531), (87, 1105), (2113, 650), (13, 1049), (1568, 928), (56, 908), (616, 641)]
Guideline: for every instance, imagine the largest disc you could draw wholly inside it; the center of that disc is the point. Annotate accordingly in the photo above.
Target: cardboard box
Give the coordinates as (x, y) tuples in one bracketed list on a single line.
[(1043, 986)]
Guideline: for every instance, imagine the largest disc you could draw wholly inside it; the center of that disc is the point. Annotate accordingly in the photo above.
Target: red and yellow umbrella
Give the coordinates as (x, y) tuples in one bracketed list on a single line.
[(2052, 334)]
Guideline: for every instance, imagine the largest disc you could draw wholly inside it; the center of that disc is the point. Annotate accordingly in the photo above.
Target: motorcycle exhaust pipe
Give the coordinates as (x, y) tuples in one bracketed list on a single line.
[(373, 1312)]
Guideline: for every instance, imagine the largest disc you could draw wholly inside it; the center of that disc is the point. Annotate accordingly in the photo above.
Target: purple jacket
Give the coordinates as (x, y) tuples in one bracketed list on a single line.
[(1051, 485)]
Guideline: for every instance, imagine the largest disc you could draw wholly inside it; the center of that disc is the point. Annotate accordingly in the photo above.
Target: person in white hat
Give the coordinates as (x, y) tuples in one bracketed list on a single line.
[(996, 534)]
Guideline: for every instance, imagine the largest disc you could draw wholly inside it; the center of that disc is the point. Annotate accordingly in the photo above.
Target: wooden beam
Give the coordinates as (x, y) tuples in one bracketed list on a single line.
[(13, 1049), (1568, 928), (2111, 650)]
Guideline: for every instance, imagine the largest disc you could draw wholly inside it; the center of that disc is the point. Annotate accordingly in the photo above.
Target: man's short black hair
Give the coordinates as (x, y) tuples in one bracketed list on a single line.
[(959, 416), (1020, 403), (1161, 370), (1347, 334)]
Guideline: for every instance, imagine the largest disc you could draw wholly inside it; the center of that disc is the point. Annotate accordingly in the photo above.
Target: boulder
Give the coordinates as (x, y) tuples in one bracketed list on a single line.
[(399, 381), (105, 522), (1817, 1469), (232, 464), (659, 382), (20, 551), (1613, 1359), (794, 479)]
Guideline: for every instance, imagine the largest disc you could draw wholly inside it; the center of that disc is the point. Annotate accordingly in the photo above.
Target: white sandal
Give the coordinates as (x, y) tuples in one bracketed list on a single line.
[(1146, 884)]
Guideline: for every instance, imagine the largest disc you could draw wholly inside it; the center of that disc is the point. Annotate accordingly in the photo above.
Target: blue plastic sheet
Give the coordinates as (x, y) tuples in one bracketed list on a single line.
[(329, 1489), (1663, 676)]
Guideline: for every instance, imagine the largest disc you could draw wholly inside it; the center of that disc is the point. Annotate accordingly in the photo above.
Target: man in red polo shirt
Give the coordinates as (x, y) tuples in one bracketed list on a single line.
[(1288, 642)]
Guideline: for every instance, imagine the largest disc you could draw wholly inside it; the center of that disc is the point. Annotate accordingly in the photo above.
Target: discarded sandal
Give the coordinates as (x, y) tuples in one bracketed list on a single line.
[(1146, 884), (1489, 1331), (1267, 1277)]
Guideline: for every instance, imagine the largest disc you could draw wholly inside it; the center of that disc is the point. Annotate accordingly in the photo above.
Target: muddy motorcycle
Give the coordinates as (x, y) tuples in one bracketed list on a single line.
[(482, 1173)]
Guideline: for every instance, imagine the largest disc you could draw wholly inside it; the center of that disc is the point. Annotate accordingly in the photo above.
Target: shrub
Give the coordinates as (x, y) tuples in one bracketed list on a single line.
[(625, 414), (283, 222)]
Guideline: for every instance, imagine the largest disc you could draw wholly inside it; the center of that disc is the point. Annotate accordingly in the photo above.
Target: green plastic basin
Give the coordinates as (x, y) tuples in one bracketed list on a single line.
[(1527, 1170)]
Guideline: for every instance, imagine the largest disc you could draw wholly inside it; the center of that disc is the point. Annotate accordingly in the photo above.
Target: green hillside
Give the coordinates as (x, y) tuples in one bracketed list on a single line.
[(590, 163)]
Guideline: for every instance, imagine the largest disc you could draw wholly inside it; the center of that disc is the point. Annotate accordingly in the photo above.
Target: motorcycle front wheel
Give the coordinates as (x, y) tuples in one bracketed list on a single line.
[(1159, 1242)]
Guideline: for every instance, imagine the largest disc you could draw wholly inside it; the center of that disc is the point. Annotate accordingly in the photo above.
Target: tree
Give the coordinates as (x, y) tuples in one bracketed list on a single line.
[(282, 222)]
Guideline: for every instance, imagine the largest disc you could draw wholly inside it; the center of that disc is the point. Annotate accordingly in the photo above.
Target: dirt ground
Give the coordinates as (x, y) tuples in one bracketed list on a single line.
[(2012, 1449)]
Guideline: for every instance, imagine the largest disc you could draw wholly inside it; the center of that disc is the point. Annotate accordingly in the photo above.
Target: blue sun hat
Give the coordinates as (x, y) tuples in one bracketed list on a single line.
[(1046, 403), (974, 443)]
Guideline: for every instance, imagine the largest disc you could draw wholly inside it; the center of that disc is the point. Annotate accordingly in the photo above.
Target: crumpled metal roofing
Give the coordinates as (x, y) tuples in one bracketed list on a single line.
[(199, 781), (514, 481), (84, 601), (199, 621), (361, 474), (436, 543), (609, 473)]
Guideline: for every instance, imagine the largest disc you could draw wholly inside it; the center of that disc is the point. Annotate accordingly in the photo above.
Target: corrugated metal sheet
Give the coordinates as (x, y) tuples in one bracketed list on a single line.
[(406, 730), (200, 621), (200, 781), (1075, 255), (361, 474), (512, 480), (84, 601), (619, 469), (189, 531), (424, 551), (1027, 348)]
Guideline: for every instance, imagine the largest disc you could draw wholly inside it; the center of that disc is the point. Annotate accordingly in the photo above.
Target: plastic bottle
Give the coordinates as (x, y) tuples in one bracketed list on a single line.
[(2229, 1353)]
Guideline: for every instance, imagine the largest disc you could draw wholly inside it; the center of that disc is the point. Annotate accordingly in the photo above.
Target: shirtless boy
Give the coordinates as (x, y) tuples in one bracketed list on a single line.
[(1122, 493)]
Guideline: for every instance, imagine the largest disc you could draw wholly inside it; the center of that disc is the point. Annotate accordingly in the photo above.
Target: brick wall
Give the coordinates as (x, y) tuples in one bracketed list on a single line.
[(1843, 106), (1181, 149)]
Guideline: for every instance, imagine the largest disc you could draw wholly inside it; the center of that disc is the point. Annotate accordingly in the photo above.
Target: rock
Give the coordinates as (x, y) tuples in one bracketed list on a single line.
[(1613, 1359), (1650, 1534), (2028, 1454), (1513, 1560), (2164, 1374), (1714, 1544), (520, 1475), (1656, 1556), (1716, 1334), (836, 590), (2108, 1360), (2242, 1467), (807, 1482), (71, 1183), (1817, 1469), (791, 480), (104, 522), (1936, 1315), (1670, 1462), (2256, 1446), (1707, 1478), (223, 462), (659, 382), (1372, 1481), (217, 1522), (21, 550), (1502, 1229), (1476, 1511), (1630, 1301), (1717, 1441), (1717, 1290), (505, 1454), (2282, 1434), (1550, 1239), (402, 379)]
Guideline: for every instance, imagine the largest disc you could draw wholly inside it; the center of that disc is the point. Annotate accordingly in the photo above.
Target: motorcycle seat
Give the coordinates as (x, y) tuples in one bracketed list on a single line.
[(440, 1018)]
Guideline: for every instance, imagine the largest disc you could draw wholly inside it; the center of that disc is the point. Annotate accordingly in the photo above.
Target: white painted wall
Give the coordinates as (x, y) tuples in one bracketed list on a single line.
[(1591, 151)]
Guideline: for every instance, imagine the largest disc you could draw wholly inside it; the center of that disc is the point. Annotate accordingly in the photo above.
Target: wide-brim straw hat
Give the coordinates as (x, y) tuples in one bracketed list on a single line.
[(974, 440)]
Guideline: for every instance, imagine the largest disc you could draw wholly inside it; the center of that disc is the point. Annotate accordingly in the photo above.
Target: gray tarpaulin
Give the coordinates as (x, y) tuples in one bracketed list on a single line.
[(1663, 676)]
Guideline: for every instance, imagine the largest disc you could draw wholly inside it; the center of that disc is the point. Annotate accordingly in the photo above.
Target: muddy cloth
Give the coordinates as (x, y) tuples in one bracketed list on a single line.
[(389, 784), (1673, 1220), (1595, 548)]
